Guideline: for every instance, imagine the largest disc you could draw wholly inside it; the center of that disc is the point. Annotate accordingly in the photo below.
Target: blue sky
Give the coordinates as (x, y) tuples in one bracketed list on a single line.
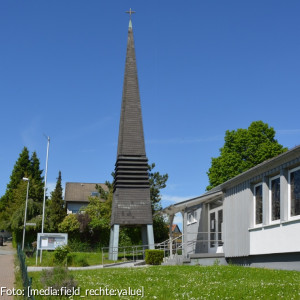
[(204, 67)]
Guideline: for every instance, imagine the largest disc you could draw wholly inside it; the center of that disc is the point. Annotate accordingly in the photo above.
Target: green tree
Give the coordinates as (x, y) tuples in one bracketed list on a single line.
[(56, 211), (70, 225), (242, 150), (37, 180), (157, 183), (12, 203), (21, 169)]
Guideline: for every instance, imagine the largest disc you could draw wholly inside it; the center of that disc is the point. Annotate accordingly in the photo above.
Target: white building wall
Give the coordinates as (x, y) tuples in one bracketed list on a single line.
[(280, 238)]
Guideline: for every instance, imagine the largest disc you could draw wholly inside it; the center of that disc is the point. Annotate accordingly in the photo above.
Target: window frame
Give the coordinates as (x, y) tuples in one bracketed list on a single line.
[(290, 217), (193, 215), (95, 194), (270, 200), (254, 205)]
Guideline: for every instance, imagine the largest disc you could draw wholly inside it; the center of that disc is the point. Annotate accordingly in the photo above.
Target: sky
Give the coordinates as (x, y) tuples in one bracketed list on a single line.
[(204, 67)]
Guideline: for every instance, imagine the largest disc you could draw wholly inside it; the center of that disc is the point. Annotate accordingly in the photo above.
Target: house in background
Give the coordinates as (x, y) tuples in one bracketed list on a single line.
[(77, 195), (252, 219), (176, 235)]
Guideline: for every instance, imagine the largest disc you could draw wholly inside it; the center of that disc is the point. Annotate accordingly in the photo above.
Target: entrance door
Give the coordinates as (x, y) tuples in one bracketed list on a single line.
[(215, 244)]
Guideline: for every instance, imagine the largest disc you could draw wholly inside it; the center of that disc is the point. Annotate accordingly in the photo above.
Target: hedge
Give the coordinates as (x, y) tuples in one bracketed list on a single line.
[(154, 257)]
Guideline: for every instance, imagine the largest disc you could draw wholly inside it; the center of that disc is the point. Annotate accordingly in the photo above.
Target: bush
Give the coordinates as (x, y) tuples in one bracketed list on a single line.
[(77, 246), (81, 261), (57, 278), (61, 253), (154, 257), (77, 259)]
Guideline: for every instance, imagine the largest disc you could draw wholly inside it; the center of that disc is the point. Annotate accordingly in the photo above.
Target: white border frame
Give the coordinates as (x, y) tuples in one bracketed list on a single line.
[(217, 248), (289, 195), (254, 205), (270, 200), (192, 213)]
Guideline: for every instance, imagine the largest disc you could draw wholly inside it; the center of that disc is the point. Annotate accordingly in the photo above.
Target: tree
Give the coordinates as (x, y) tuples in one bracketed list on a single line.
[(70, 225), (242, 150), (21, 169), (37, 180), (56, 211), (157, 182), (12, 203)]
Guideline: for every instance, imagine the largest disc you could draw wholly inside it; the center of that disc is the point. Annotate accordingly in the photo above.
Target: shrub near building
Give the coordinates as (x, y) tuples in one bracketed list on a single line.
[(154, 257)]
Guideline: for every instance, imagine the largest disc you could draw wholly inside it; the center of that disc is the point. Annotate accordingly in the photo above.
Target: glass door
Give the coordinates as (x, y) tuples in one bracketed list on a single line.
[(215, 230)]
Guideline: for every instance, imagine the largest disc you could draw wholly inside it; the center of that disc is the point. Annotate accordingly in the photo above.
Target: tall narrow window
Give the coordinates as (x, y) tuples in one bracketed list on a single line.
[(275, 198), (295, 192), (258, 204)]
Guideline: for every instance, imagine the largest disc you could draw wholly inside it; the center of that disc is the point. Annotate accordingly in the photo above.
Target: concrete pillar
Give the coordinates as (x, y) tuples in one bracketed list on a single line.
[(171, 218), (144, 237), (150, 236), (185, 234), (114, 242)]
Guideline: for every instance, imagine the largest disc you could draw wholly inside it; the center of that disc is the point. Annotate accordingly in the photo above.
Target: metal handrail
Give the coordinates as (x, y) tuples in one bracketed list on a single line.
[(139, 250)]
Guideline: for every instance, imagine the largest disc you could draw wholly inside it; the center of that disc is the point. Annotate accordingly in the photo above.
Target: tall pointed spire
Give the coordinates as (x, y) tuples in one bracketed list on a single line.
[(131, 199), (131, 135)]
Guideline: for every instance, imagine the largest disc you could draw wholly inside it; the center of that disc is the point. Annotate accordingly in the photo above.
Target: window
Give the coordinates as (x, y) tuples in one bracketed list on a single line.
[(275, 198), (192, 217), (95, 194), (294, 192), (258, 204)]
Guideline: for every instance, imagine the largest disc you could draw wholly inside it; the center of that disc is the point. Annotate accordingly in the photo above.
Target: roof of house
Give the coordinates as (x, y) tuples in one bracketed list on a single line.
[(174, 227), (81, 191)]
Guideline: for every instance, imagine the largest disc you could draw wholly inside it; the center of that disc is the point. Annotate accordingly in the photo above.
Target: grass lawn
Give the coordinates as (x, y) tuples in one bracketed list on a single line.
[(79, 259), (189, 282)]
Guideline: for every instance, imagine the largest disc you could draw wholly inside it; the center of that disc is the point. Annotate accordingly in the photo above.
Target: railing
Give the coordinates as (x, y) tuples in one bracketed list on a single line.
[(27, 281), (204, 241)]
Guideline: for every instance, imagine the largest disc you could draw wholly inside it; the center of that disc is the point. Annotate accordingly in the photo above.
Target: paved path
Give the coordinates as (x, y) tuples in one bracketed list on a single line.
[(7, 274)]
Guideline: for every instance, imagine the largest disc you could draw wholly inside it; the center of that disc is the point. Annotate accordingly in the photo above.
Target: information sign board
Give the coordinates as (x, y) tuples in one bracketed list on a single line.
[(50, 241)]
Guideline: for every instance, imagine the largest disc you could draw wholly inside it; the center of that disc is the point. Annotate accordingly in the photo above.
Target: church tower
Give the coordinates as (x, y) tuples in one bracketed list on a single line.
[(131, 198)]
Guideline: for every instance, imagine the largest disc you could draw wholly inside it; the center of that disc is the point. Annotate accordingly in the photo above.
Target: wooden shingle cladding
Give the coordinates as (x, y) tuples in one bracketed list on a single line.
[(131, 198), (131, 135)]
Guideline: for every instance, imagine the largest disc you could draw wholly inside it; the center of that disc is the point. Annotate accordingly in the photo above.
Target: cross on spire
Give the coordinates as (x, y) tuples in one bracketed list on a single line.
[(130, 12)]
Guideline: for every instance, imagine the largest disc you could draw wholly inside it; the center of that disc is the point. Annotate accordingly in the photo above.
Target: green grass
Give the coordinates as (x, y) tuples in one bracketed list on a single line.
[(92, 258), (190, 282)]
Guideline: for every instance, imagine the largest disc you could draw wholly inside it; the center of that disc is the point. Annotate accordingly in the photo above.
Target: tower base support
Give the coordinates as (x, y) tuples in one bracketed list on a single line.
[(114, 242)]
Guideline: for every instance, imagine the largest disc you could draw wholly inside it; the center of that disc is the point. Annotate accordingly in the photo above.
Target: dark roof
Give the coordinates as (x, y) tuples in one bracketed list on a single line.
[(131, 135), (81, 191)]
